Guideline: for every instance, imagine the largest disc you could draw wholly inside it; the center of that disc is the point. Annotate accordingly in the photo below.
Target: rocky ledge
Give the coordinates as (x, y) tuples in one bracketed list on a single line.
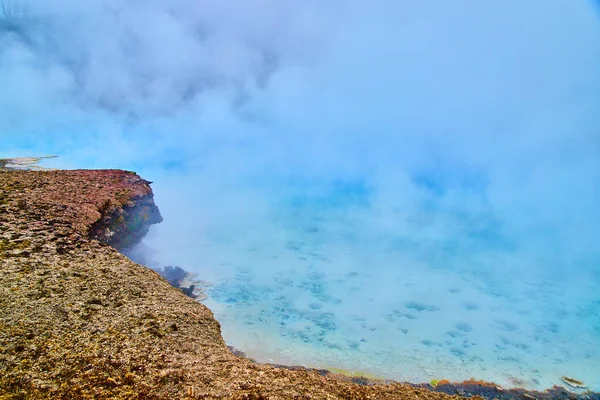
[(80, 320)]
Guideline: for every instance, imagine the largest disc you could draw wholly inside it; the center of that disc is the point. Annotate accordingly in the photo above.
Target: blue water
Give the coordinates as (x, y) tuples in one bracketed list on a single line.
[(406, 190), (320, 277)]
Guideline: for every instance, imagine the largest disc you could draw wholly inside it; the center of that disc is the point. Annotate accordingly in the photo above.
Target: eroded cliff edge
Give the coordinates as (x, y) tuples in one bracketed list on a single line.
[(80, 320)]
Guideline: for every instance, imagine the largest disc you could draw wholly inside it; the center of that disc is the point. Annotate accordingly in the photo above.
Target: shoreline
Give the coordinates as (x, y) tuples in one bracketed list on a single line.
[(80, 319), (466, 388), (469, 386)]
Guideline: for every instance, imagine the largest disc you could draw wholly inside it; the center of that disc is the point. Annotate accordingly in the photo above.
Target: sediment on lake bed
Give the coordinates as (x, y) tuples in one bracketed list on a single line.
[(80, 320)]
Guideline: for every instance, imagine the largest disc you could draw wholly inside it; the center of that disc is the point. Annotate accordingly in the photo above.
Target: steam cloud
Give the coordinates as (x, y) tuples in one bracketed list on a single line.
[(469, 124)]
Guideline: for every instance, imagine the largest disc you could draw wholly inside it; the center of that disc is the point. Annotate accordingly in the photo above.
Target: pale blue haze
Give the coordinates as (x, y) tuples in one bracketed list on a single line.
[(405, 189)]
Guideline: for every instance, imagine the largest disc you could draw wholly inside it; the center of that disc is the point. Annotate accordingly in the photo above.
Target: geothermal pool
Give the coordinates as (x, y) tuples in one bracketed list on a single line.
[(405, 190), (326, 280)]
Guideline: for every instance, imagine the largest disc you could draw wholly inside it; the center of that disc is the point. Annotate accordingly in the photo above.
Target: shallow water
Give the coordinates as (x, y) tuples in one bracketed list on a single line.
[(322, 281)]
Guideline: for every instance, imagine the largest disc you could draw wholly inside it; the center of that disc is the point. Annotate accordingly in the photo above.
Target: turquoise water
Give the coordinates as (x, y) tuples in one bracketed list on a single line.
[(407, 190), (323, 278)]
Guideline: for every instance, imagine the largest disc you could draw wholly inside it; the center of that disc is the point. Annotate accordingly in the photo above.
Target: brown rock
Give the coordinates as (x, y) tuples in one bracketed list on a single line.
[(80, 320)]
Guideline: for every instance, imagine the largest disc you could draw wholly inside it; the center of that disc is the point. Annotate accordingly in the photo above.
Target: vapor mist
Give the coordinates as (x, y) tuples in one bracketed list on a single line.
[(461, 135)]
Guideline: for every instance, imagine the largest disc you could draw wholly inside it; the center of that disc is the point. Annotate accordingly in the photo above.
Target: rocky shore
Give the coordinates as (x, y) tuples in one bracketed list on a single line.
[(80, 320)]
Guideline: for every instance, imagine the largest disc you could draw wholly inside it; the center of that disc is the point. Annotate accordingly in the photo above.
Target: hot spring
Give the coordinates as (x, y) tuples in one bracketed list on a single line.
[(393, 189), (328, 276)]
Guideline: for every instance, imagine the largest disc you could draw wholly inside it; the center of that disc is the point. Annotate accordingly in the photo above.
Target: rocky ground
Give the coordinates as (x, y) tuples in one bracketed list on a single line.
[(80, 320)]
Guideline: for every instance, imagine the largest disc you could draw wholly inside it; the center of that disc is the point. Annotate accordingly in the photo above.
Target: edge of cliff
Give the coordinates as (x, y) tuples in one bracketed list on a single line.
[(80, 320)]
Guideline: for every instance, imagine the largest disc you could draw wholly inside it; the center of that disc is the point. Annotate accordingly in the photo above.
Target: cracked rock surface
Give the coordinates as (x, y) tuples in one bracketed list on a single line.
[(80, 320)]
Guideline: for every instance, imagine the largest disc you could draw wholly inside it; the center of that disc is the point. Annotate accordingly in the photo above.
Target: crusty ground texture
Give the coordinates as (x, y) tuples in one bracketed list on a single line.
[(80, 320)]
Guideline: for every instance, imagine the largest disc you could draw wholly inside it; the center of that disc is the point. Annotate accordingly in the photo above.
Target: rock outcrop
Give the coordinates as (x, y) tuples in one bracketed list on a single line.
[(124, 224), (80, 320)]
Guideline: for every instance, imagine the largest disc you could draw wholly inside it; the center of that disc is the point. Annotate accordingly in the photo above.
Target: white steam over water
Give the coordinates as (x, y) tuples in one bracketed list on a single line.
[(404, 190)]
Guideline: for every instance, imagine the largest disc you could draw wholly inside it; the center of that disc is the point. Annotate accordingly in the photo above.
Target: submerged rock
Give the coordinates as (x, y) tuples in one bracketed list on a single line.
[(574, 383), (184, 281)]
